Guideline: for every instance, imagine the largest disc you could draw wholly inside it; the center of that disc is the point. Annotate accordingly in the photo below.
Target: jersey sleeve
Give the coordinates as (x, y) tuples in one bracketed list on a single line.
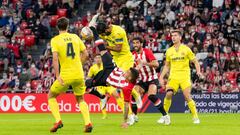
[(82, 46), (54, 46), (150, 56), (190, 54), (167, 56), (119, 38)]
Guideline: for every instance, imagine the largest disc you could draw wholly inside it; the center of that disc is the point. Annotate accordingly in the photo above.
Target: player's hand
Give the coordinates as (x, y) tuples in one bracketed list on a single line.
[(124, 125), (60, 80), (200, 75), (141, 62)]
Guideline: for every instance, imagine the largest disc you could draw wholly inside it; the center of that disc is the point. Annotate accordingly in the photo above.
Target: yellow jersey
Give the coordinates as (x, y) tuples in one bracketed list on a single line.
[(69, 46), (118, 36), (179, 61), (94, 69)]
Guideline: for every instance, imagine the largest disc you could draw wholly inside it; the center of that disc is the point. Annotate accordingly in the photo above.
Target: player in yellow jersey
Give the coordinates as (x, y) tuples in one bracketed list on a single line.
[(100, 91), (177, 60), (69, 53), (117, 44)]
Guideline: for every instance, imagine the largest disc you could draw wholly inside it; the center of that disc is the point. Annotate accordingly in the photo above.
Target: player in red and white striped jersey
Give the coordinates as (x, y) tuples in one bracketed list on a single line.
[(114, 76), (148, 81)]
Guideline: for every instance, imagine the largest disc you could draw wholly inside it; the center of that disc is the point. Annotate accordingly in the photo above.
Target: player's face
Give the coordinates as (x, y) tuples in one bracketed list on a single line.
[(107, 32), (137, 45), (176, 38), (98, 59)]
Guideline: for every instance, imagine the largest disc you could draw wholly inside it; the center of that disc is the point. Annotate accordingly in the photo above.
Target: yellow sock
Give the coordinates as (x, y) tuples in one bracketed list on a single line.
[(52, 102), (135, 94), (192, 107), (130, 109), (104, 112), (120, 103), (167, 104), (85, 112)]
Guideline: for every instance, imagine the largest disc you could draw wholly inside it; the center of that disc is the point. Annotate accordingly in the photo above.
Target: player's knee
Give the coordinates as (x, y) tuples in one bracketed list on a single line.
[(79, 98), (51, 95), (169, 93), (153, 98), (188, 97)]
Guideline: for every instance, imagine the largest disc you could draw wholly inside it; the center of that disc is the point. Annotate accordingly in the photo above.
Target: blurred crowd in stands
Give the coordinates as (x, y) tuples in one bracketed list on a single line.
[(211, 28)]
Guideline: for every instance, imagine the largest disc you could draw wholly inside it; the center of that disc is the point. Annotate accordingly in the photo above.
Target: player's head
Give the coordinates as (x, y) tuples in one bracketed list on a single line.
[(104, 27), (131, 75), (176, 36), (98, 59), (62, 24), (137, 43)]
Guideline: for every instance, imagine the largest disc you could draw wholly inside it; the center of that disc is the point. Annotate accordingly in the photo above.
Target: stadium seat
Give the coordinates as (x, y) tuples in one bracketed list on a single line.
[(29, 40), (53, 20), (23, 25), (27, 31), (62, 12)]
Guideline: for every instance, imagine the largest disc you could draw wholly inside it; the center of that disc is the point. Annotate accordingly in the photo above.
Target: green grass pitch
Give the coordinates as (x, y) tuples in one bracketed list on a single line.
[(39, 124)]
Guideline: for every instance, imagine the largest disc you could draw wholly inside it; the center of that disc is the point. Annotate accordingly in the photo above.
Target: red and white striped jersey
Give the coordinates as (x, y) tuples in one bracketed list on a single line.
[(146, 73), (117, 80)]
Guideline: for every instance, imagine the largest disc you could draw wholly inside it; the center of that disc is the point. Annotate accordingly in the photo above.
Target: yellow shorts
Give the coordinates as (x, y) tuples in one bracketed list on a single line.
[(78, 86), (124, 62), (176, 83), (106, 89)]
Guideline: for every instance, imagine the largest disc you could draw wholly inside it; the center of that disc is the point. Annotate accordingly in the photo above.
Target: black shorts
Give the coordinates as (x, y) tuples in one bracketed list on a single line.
[(145, 85), (101, 77)]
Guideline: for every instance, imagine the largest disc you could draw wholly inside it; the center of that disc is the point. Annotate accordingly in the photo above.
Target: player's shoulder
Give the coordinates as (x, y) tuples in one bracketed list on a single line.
[(185, 47), (55, 38), (118, 29), (147, 51), (73, 35), (170, 49)]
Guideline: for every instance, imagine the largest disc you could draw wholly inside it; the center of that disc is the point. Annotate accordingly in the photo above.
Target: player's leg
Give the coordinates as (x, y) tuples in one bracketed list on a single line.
[(108, 66), (94, 91), (103, 91), (127, 99), (126, 65), (55, 89), (137, 98), (141, 92), (186, 86), (172, 88), (152, 91), (79, 90)]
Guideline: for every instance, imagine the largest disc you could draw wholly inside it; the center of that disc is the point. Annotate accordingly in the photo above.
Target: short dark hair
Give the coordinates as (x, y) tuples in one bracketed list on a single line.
[(62, 23), (177, 31), (138, 38), (134, 75), (101, 27)]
